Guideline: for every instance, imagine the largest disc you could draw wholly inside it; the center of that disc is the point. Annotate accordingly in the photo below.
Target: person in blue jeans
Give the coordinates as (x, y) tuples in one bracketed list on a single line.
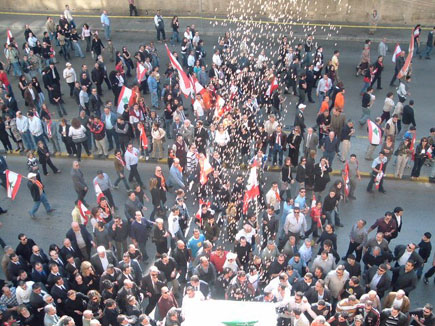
[(38, 195)]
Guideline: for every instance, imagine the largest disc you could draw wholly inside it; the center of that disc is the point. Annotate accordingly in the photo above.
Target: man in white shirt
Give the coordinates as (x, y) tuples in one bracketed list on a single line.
[(23, 129), (131, 158), (323, 88), (295, 223), (160, 26), (69, 17), (24, 289), (217, 60), (191, 298), (198, 108), (35, 128)]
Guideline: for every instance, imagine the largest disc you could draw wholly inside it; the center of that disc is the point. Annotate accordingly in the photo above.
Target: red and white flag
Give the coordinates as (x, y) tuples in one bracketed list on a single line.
[(8, 36), (185, 84), (198, 215), (84, 212), (313, 201), (346, 179), (205, 169), (98, 191), (252, 188), (375, 133), (124, 98), (197, 87), (142, 136), (13, 182), (49, 133), (379, 176), (412, 147), (404, 71), (141, 72), (396, 52), (272, 87)]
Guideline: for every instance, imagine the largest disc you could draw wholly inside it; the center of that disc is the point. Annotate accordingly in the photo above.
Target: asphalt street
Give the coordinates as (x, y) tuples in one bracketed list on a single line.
[(416, 198), (421, 87)]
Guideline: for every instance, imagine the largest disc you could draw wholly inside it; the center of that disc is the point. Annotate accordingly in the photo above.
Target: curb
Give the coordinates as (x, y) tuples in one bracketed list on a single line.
[(388, 176), (335, 37)]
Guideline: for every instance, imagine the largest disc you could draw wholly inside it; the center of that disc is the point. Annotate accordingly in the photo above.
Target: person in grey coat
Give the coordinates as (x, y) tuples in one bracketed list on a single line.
[(78, 179)]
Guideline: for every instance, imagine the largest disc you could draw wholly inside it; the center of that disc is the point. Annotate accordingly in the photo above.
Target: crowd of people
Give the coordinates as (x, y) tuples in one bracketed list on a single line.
[(279, 248)]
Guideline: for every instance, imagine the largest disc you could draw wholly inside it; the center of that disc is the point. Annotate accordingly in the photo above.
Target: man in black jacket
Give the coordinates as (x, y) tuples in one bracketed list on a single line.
[(408, 116), (38, 195), (79, 230), (393, 317), (377, 279), (97, 75), (405, 277), (151, 287), (80, 185)]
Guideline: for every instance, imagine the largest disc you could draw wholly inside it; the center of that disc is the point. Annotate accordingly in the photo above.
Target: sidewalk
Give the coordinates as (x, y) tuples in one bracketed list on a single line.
[(213, 26)]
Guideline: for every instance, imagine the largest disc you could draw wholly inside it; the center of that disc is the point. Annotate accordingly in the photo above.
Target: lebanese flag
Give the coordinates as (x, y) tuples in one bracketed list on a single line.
[(84, 212), (185, 84), (197, 87), (379, 176), (49, 133), (8, 36), (124, 98), (404, 71), (143, 136), (140, 72), (375, 133), (252, 188), (220, 106), (13, 182), (346, 179), (198, 215), (205, 169), (313, 201), (396, 52), (98, 192), (412, 147), (273, 85)]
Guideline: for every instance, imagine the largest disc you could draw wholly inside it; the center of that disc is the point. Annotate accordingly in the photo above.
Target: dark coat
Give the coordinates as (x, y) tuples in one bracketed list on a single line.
[(312, 295), (383, 284), (96, 261), (86, 236)]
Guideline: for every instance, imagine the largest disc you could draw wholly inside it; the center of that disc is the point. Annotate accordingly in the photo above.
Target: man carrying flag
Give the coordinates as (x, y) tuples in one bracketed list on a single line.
[(84, 212), (252, 187), (38, 195), (143, 139), (375, 136), (272, 87), (185, 84), (400, 61), (378, 171), (102, 185)]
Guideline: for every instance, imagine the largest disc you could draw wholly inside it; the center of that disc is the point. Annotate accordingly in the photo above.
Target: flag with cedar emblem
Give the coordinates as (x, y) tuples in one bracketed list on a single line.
[(13, 182)]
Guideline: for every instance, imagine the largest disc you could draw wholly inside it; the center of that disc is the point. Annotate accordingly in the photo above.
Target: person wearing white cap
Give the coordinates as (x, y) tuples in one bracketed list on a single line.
[(69, 74), (300, 119), (37, 191)]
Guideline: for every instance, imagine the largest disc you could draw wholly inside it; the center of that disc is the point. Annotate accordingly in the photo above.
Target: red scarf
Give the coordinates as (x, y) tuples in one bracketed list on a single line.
[(120, 160)]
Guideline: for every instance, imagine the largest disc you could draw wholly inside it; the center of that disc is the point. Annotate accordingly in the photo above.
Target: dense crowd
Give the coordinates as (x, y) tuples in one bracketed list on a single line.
[(280, 247)]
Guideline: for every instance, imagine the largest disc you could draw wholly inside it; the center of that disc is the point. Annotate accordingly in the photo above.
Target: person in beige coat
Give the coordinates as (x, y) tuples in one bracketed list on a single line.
[(397, 298)]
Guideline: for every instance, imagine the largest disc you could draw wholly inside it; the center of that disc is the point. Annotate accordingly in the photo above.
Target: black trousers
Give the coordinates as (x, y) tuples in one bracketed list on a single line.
[(134, 174), (81, 194), (353, 247), (152, 303), (108, 194), (50, 163), (133, 9)]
